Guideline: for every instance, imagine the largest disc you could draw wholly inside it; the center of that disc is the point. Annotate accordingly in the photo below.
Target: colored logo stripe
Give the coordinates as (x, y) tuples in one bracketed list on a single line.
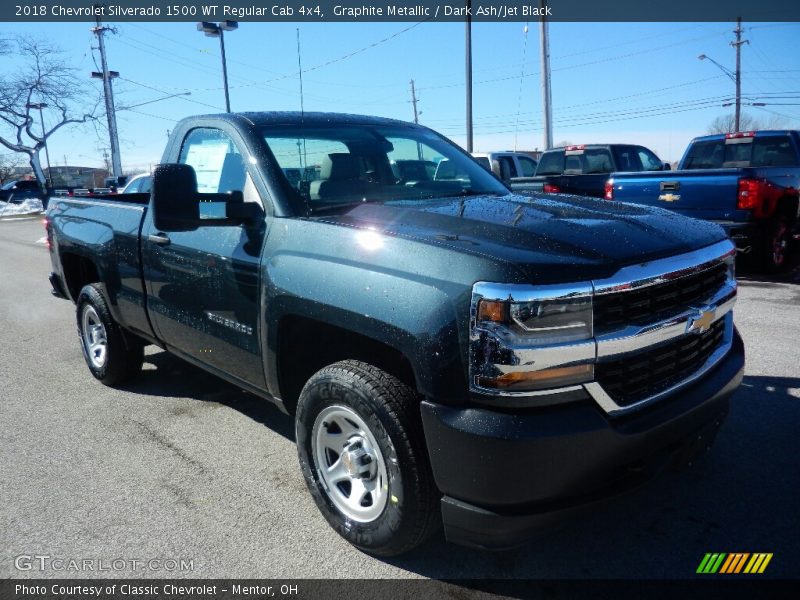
[(721, 562), (711, 562), (758, 563), (734, 563)]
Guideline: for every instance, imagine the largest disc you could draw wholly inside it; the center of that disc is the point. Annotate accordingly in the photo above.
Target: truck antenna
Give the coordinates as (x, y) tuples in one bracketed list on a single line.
[(304, 162)]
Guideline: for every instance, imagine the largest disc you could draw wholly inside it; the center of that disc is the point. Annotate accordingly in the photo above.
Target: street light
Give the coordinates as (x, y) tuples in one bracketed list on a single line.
[(735, 77), (725, 70), (217, 30), (40, 106)]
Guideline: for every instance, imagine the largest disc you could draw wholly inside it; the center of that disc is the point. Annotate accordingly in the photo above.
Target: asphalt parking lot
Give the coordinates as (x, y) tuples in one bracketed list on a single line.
[(180, 465)]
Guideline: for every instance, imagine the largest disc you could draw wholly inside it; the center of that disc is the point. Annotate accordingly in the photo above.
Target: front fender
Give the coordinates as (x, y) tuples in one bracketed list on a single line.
[(415, 317)]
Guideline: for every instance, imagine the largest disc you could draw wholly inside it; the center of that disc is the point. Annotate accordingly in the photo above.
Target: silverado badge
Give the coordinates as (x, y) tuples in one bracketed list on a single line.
[(701, 322)]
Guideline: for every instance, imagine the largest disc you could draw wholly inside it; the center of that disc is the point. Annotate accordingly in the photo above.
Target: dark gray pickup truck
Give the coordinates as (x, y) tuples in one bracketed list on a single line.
[(453, 353)]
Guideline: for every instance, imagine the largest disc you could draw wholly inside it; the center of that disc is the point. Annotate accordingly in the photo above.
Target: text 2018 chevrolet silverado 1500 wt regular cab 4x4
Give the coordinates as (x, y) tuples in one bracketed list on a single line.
[(451, 352), (746, 182)]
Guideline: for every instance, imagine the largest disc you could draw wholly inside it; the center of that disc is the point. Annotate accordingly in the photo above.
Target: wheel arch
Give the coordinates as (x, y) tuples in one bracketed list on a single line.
[(305, 345), (78, 271)]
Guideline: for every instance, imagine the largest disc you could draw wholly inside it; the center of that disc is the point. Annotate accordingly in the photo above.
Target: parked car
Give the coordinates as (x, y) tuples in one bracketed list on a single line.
[(507, 165), (451, 352), (583, 169), (746, 182), (141, 183), (19, 190)]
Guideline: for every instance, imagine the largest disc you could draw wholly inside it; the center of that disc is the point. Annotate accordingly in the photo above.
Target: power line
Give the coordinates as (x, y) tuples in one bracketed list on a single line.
[(575, 66), (607, 100)]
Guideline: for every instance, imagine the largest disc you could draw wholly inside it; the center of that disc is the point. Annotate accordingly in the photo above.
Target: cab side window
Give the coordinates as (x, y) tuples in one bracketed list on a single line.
[(217, 162), (528, 166)]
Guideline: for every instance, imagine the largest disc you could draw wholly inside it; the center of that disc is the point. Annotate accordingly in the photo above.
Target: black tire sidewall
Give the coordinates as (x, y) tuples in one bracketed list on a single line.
[(389, 528), (123, 359), (768, 259), (89, 297)]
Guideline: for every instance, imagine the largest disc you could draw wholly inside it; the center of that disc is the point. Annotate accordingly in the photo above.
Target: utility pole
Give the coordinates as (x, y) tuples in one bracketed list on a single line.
[(546, 96), (469, 74), (738, 45), (416, 116), (108, 92), (414, 102)]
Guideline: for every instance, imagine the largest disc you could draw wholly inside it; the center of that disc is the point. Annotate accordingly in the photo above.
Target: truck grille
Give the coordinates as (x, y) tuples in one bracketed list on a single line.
[(633, 378), (648, 304)]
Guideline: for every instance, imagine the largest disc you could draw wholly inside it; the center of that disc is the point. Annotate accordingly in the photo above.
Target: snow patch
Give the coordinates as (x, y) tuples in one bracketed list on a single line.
[(30, 206)]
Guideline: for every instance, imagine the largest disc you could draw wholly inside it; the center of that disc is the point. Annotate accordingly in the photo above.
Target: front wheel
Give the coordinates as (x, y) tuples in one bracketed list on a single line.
[(363, 456), (112, 357)]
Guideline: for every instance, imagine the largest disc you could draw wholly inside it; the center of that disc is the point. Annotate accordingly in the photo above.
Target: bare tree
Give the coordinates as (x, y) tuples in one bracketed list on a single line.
[(43, 79), (9, 164), (727, 124)]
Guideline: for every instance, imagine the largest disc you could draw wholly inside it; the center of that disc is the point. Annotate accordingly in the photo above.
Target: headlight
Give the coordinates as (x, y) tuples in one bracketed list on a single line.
[(532, 339), (544, 321)]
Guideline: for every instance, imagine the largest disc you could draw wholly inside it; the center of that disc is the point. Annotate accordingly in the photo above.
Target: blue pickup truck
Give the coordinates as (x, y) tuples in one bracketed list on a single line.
[(746, 182)]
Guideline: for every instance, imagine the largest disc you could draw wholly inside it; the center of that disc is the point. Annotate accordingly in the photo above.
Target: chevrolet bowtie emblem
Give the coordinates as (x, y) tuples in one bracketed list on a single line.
[(701, 322), (669, 197)]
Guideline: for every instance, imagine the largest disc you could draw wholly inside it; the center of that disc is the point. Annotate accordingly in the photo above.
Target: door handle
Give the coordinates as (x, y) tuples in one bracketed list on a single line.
[(162, 239)]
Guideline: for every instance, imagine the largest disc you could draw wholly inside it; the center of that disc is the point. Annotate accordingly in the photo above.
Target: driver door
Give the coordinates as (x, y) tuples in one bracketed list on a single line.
[(204, 285)]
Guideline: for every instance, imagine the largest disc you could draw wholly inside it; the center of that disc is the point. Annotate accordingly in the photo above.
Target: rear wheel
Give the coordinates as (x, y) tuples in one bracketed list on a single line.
[(363, 456), (775, 253), (112, 356)]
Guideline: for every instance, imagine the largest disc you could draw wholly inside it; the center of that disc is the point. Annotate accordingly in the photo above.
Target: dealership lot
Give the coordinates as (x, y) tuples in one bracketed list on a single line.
[(183, 468)]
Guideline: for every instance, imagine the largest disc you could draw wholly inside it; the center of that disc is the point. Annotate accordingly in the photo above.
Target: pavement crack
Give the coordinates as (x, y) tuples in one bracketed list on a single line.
[(167, 444)]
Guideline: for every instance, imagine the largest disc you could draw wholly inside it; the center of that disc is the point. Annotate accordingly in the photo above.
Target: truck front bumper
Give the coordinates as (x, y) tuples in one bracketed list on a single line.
[(504, 474)]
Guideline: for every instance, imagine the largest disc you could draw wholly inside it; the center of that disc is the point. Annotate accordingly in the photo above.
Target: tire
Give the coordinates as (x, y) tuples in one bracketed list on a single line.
[(777, 245), (371, 420), (112, 356)]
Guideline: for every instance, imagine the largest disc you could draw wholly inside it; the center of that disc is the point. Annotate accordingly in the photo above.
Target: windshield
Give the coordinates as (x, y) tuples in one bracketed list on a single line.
[(344, 164)]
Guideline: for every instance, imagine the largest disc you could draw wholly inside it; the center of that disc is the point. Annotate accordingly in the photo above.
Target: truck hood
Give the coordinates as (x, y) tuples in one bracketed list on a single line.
[(550, 238)]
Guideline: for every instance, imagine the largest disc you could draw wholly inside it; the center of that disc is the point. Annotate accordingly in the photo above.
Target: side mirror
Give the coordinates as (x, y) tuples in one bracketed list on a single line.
[(247, 213), (667, 166), (174, 200)]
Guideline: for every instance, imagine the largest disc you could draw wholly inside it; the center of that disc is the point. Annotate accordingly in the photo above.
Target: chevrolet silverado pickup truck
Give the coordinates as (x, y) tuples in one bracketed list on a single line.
[(746, 182), (584, 169), (453, 354), (508, 165)]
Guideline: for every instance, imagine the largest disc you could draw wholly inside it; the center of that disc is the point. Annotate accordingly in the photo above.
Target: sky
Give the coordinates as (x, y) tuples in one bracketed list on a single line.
[(611, 82)]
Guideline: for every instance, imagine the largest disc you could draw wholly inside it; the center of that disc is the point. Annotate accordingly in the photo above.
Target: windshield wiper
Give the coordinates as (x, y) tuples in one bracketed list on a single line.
[(465, 194), (315, 207)]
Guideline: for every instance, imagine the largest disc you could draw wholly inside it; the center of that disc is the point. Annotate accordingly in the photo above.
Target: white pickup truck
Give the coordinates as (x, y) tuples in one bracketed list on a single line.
[(507, 164)]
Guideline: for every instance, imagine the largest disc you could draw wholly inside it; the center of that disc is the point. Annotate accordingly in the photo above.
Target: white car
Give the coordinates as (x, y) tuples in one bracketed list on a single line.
[(138, 184)]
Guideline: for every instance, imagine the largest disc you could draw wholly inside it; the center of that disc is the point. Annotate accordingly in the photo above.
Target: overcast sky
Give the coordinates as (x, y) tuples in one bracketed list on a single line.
[(611, 82)]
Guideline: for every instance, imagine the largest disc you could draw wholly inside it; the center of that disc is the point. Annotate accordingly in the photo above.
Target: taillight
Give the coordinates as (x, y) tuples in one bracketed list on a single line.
[(550, 188), (47, 232), (608, 190), (758, 195), (750, 194)]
